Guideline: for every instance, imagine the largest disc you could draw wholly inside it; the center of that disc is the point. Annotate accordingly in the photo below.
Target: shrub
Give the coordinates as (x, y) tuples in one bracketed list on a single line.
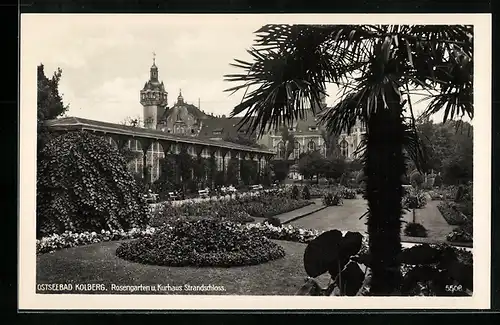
[(414, 199), (295, 192), (459, 235), (360, 177), (416, 178), (83, 184), (306, 194), (347, 193), (201, 243), (331, 199), (276, 222), (415, 230), (438, 181), (450, 212)]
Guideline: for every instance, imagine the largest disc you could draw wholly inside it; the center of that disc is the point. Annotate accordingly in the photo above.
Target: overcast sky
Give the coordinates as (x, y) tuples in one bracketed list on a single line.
[(106, 59)]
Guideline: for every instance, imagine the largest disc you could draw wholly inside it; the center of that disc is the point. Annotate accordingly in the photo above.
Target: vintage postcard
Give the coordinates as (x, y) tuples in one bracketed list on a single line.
[(194, 162)]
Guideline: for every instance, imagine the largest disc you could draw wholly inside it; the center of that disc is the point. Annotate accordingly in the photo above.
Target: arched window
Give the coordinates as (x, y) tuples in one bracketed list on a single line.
[(155, 153), (112, 142), (280, 150), (135, 165), (296, 150), (311, 146), (344, 148)]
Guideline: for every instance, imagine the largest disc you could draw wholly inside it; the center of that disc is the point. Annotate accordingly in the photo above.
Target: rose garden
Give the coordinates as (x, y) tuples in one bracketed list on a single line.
[(101, 230)]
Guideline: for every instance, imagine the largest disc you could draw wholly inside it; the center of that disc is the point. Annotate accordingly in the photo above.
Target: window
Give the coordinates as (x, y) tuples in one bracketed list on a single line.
[(313, 128), (135, 166), (311, 146), (296, 150), (280, 150), (154, 154), (344, 148)]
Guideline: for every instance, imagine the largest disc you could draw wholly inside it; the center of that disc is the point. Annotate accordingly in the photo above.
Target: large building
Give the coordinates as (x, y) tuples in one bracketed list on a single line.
[(186, 119)]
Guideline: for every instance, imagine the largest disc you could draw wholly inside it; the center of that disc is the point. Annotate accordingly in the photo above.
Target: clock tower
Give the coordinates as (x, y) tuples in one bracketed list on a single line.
[(153, 98)]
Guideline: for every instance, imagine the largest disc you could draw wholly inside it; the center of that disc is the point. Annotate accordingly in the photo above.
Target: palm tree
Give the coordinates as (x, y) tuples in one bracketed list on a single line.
[(377, 69)]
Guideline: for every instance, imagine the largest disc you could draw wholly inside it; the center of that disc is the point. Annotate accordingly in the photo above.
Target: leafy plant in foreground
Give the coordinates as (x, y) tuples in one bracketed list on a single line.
[(332, 252), (83, 184)]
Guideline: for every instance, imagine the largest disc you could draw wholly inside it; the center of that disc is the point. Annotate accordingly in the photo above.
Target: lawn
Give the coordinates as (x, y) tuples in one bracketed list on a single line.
[(98, 264)]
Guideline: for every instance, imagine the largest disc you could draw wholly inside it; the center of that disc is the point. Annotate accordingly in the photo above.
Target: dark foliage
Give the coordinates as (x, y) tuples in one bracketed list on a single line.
[(306, 194), (276, 222), (415, 230), (83, 184), (201, 243)]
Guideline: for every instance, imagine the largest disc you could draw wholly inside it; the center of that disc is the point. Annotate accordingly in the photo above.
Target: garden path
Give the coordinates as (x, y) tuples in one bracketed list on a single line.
[(290, 216), (346, 217)]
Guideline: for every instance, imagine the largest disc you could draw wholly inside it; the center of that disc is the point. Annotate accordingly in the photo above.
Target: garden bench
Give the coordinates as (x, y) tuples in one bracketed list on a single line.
[(256, 187), (203, 193), (172, 196), (151, 197)]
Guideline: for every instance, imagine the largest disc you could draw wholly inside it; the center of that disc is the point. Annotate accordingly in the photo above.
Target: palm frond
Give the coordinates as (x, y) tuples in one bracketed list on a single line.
[(286, 82)]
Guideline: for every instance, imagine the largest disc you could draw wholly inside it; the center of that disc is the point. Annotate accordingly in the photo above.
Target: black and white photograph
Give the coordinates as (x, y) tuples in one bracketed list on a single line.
[(255, 161)]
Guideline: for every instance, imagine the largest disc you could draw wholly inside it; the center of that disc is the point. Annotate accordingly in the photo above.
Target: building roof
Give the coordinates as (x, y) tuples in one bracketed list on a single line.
[(225, 125), (192, 109), (77, 123)]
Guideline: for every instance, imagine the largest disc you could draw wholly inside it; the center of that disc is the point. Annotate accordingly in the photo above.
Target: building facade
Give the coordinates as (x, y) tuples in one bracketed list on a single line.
[(188, 120), (310, 135)]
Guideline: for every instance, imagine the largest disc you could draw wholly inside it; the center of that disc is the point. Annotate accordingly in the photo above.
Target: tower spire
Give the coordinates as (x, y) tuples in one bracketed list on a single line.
[(154, 58)]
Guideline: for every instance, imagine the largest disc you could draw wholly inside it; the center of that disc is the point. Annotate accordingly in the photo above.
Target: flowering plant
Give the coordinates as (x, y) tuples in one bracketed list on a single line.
[(73, 239)]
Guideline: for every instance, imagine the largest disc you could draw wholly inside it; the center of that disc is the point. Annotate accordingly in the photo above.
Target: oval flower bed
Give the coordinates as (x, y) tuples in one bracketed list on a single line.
[(201, 243)]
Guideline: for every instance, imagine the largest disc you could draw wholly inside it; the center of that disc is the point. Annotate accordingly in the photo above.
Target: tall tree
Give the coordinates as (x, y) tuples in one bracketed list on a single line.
[(377, 68), (49, 102), (331, 143)]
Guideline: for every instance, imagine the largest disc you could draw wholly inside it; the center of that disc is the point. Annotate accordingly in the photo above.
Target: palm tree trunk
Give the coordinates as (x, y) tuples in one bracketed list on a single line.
[(384, 167)]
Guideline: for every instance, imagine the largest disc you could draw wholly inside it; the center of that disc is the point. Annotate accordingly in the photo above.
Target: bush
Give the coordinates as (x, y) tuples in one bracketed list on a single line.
[(347, 193), (360, 177), (83, 184), (306, 194), (459, 235), (276, 222), (295, 192), (416, 178), (413, 199), (438, 181), (331, 199), (415, 230), (201, 243), (451, 213)]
